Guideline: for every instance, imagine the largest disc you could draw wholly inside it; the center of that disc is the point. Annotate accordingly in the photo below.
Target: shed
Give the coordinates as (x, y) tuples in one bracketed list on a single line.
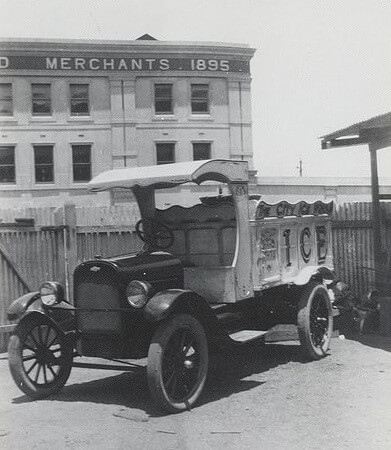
[(376, 133)]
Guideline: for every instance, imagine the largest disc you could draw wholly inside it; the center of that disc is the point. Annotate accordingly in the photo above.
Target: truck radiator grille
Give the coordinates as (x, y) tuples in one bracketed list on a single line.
[(98, 294)]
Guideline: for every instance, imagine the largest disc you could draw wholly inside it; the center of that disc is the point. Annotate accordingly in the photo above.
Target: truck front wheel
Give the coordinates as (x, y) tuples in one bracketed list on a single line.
[(39, 357), (177, 363), (315, 320)]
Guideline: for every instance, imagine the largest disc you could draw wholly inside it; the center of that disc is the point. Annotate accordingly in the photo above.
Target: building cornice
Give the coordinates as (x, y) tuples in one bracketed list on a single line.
[(123, 47)]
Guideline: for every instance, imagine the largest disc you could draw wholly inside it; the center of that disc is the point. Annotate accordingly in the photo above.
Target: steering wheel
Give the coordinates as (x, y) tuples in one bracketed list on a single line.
[(154, 233)]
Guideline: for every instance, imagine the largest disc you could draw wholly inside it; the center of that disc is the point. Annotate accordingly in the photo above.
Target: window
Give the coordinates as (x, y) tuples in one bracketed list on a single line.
[(7, 164), (165, 153), (43, 162), (42, 105), (163, 99), (81, 161), (6, 108), (79, 99), (201, 150), (199, 99)]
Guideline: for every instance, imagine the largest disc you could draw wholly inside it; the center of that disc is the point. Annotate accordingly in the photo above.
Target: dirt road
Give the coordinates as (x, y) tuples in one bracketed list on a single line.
[(266, 397)]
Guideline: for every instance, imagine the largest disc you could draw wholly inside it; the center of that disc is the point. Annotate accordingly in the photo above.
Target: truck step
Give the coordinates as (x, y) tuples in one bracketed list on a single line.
[(246, 335)]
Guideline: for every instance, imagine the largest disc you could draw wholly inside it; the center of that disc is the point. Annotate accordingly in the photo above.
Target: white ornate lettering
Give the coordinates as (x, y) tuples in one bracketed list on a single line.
[(80, 63), (65, 63), (94, 64), (164, 64), (137, 64), (224, 65), (108, 64), (51, 63), (150, 63), (122, 65), (4, 62)]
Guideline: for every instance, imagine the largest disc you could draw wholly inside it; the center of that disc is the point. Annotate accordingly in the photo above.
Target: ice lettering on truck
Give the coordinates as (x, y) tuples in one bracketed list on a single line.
[(286, 234), (321, 243), (305, 244), (267, 244)]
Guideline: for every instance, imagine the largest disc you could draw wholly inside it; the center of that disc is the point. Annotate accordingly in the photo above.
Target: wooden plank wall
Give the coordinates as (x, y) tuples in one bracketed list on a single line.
[(27, 257), (92, 241), (42, 216), (34, 254), (353, 244), (107, 216)]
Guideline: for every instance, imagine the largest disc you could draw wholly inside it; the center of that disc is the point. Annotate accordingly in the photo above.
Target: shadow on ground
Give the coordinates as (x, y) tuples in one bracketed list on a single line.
[(362, 326), (226, 377), (372, 340)]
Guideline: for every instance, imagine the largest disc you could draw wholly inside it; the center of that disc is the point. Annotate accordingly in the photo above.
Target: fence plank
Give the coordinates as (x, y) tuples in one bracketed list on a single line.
[(13, 266), (352, 227)]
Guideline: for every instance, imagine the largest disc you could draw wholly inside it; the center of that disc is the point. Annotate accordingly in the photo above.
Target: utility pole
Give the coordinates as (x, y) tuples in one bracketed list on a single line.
[(300, 167)]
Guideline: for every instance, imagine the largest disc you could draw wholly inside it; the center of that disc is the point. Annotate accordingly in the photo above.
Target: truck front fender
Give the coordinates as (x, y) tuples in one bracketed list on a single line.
[(19, 306), (321, 272), (61, 314), (177, 300), (41, 317)]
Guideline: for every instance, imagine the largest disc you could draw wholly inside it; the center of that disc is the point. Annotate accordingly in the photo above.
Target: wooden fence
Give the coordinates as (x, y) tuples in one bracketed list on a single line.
[(62, 238), (353, 245), (106, 216), (27, 254)]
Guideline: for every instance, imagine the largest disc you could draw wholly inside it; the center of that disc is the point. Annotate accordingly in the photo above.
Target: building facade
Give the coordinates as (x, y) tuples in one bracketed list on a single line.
[(72, 109), (311, 189)]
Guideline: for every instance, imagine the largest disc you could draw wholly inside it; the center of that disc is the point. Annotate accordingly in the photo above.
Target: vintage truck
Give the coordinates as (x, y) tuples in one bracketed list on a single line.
[(219, 273)]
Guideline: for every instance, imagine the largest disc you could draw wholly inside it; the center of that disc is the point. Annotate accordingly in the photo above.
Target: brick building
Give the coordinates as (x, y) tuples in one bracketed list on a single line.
[(72, 109)]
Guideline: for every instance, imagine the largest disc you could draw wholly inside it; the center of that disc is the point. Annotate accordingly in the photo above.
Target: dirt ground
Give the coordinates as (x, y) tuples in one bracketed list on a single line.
[(266, 397)]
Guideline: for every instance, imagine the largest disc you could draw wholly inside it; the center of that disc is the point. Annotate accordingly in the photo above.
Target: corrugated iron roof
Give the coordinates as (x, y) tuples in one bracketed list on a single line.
[(381, 121), (378, 127)]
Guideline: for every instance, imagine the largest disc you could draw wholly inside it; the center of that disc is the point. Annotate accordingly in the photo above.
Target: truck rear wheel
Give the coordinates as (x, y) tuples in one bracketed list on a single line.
[(315, 320), (177, 363)]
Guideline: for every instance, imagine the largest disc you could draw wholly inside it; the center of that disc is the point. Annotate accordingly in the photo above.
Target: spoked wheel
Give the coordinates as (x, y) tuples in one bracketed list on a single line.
[(315, 320), (40, 359), (177, 363)]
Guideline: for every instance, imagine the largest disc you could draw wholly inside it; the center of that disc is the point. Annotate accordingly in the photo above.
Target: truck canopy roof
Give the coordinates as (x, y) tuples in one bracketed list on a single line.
[(169, 175)]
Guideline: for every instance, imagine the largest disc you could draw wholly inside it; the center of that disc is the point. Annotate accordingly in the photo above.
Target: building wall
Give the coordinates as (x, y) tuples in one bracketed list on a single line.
[(122, 127), (340, 190)]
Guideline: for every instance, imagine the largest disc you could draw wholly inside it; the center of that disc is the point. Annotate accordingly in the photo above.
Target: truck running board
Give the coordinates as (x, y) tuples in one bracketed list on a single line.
[(246, 335)]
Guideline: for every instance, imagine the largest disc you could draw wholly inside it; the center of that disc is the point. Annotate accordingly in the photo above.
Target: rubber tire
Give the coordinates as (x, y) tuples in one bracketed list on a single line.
[(15, 362), (156, 353), (312, 351)]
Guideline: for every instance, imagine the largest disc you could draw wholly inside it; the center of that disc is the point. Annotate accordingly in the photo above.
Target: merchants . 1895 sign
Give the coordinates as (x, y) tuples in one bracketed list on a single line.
[(126, 63)]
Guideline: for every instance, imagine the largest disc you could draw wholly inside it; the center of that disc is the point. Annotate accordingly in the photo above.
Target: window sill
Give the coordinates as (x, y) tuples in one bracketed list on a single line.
[(165, 118), (10, 119), (201, 118), (41, 119), (83, 119)]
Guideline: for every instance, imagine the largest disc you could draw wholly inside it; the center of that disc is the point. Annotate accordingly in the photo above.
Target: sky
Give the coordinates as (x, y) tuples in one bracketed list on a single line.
[(319, 66)]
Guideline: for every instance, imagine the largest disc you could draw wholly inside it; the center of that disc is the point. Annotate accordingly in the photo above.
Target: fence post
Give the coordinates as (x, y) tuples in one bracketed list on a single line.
[(66, 216), (70, 244)]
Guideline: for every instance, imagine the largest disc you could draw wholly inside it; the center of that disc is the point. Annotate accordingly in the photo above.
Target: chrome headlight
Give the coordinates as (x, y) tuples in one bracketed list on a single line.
[(51, 292), (138, 293)]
